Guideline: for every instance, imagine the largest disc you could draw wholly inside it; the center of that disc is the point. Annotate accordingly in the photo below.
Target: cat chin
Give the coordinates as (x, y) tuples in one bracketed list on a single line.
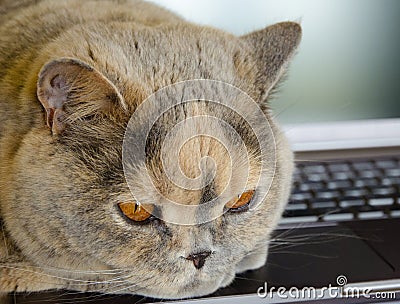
[(192, 290)]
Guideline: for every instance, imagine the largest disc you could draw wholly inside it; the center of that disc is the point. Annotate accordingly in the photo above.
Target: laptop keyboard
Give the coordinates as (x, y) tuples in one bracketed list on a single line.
[(345, 190)]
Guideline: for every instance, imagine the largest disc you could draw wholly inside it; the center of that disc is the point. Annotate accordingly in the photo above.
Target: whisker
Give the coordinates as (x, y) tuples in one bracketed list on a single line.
[(305, 254), (76, 282), (109, 292), (247, 279), (106, 271), (315, 160)]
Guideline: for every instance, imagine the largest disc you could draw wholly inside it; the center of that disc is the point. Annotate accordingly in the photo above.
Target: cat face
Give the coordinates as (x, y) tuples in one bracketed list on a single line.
[(82, 206)]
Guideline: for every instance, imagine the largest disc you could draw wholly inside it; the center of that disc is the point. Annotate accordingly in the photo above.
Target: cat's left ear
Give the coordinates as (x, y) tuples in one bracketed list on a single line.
[(71, 90), (272, 48)]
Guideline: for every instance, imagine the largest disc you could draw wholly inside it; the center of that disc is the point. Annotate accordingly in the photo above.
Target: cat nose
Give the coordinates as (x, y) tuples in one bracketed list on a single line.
[(199, 258)]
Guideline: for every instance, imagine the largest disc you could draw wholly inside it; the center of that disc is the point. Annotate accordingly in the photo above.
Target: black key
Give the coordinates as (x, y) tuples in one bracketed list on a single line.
[(381, 201), (355, 192), (384, 190), (303, 187), (314, 169), (327, 194), (339, 184), (395, 213), (371, 215), (296, 206), (366, 182), (301, 196), (389, 181), (317, 177), (369, 173), (386, 164), (363, 166), (337, 167), (392, 172), (343, 175), (338, 217), (298, 220), (324, 204), (351, 203), (312, 186)]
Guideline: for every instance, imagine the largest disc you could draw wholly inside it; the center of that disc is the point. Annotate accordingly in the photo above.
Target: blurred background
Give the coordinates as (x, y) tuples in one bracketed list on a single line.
[(348, 63)]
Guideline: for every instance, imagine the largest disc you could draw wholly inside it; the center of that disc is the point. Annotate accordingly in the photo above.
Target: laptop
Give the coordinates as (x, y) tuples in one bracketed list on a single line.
[(338, 240)]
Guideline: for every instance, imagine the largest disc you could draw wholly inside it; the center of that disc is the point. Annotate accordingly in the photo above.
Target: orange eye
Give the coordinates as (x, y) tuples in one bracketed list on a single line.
[(240, 203), (135, 211)]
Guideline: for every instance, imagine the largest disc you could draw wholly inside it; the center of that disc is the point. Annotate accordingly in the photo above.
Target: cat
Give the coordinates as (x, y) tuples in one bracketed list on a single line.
[(72, 74)]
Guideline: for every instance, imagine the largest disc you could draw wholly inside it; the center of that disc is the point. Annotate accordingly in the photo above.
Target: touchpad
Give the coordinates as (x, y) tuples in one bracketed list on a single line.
[(315, 257), (383, 237)]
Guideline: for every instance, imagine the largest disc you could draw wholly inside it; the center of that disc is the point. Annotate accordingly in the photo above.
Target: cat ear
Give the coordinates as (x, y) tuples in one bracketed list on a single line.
[(70, 90), (272, 48)]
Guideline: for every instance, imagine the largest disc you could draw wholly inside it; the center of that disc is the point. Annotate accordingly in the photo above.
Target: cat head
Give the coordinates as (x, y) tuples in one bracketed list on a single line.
[(84, 206)]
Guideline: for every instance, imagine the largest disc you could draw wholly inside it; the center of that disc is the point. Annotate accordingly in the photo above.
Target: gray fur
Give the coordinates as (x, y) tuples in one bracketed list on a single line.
[(58, 190)]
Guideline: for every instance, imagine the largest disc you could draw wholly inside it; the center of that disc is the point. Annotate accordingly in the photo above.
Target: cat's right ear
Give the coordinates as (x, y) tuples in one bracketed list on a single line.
[(272, 48), (70, 90)]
